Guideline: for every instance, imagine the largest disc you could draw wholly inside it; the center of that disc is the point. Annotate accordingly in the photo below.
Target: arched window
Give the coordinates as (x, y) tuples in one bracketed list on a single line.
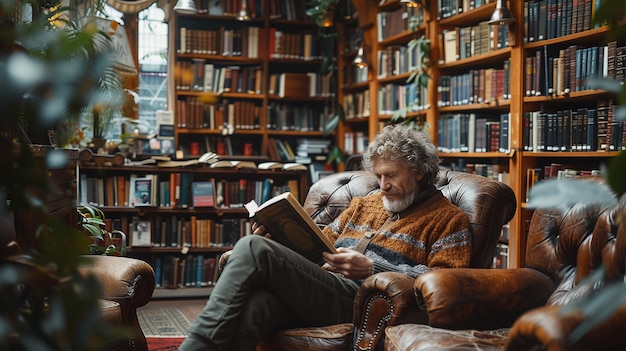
[(147, 23)]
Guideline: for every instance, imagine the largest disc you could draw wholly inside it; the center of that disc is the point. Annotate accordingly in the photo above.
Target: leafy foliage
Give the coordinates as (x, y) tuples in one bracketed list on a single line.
[(419, 75), (50, 71)]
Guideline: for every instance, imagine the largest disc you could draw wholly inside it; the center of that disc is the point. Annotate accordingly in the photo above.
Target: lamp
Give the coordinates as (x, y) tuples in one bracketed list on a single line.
[(243, 13), (186, 7), (360, 60), (409, 3), (501, 15)]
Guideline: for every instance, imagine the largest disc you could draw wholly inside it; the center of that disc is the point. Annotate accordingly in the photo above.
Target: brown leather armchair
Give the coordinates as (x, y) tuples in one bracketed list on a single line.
[(522, 309), (388, 298), (127, 284)]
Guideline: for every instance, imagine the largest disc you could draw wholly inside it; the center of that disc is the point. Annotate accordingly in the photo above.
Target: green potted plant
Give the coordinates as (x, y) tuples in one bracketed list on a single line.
[(91, 221)]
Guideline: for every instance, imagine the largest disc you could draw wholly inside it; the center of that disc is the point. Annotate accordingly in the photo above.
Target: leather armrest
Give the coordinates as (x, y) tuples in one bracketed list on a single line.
[(383, 299), (549, 327), (121, 278), (472, 298)]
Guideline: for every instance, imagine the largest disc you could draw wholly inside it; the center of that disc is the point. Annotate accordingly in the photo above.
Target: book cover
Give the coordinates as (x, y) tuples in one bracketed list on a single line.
[(143, 191), (289, 224), (141, 233), (202, 193)]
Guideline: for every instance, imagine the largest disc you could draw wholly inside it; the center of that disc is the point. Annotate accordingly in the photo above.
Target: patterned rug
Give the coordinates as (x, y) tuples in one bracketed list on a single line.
[(165, 322), (164, 344)]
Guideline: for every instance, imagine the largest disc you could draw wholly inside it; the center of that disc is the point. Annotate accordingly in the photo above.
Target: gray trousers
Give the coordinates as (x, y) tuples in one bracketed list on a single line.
[(265, 287)]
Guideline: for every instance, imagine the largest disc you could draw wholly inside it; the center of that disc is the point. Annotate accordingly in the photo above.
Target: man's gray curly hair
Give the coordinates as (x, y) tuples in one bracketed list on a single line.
[(406, 145)]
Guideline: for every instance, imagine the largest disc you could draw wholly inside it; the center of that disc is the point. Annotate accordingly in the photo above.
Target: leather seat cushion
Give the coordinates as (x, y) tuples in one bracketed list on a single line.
[(420, 337), (330, 338)]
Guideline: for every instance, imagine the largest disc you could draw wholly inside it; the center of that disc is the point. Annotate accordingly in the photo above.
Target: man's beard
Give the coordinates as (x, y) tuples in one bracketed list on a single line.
[(403, 203)]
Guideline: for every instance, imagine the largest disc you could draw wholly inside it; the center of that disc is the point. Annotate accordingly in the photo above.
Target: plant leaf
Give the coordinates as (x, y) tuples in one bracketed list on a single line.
[(335, 155), (565, 192), (615, 173), (331, 124)]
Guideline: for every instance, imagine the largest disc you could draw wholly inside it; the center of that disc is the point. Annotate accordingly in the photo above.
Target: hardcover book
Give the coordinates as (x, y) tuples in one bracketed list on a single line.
[(142, 191), (202, 194), (289, 224)]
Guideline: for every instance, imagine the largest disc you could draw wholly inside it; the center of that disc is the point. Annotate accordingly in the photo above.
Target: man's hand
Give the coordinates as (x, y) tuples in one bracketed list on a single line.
[(351, 264), (258, 229)]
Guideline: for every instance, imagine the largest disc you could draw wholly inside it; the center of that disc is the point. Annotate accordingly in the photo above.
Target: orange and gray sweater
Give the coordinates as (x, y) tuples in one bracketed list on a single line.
[(432, 233)]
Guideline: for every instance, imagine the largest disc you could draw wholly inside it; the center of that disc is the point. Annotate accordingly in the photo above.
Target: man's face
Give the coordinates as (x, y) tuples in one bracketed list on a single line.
[(398, 184)]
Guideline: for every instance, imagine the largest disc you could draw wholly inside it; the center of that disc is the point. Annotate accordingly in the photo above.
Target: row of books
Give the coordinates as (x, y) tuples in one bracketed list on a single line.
[(298, 46), (479, 86), (306, 149), (172, 272), (299, 117), (470, 132), (352, 74), (582, 129), (244, 42), (408, 97), (191, 112), (355, 142), (449, 8), (549, 72), (390, 24), (186, 232), (357, 105), (464, 42), (501, 256), (300, 85), (175, 190), (198, 75), (283, 9), (493, 171), (548, 19), (398, 59), (555, 171)]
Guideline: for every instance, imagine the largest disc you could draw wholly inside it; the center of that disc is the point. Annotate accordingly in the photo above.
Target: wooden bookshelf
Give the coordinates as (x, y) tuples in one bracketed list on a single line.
[(278, 38), (515, 160), (178, 232)]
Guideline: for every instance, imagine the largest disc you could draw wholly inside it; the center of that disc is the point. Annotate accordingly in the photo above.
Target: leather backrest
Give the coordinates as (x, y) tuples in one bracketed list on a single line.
[(488, 204), (569, 243)]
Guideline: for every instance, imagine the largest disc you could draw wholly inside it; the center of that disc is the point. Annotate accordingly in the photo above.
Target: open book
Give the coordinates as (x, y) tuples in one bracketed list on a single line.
[(288, 223)]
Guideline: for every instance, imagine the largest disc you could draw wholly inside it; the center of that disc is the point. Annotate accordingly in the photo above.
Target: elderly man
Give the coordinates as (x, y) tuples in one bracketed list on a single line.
[(408, 227)]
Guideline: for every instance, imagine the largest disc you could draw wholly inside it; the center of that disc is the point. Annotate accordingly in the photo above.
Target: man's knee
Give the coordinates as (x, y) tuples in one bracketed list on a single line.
[(250, 247)]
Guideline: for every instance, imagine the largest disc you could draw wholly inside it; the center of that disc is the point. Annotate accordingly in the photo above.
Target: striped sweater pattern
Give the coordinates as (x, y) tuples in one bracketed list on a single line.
[(418, 239)]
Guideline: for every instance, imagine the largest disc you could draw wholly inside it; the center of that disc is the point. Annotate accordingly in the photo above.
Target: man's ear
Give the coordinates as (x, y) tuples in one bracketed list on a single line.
[(419, 176)]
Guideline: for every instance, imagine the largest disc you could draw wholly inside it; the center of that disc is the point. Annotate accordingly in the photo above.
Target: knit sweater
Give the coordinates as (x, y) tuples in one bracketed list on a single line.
[(412, 242)]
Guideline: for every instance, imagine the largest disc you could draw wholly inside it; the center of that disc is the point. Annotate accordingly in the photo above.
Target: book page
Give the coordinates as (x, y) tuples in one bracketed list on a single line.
[(288, 223)]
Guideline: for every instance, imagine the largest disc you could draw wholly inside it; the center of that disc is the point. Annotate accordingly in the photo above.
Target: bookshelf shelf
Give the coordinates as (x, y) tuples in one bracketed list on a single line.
[(485, 155), (589, 36), (468, 18), (486, 60), (403, 38), (173, 230), (499, 105)]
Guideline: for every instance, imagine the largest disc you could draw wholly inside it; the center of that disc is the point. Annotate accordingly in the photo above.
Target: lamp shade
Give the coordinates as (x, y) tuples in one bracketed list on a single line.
[(187, 7), (409, 3), (501, 15), (360, 61)]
